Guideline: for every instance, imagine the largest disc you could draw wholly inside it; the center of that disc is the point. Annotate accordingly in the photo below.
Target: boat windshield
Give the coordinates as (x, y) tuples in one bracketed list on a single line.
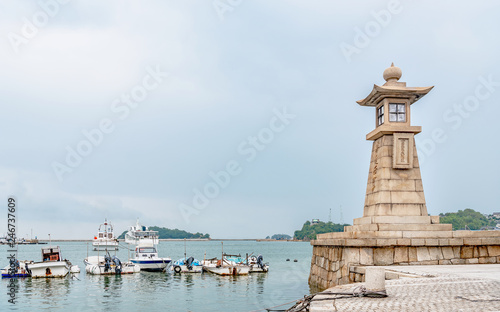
[(147, 250)]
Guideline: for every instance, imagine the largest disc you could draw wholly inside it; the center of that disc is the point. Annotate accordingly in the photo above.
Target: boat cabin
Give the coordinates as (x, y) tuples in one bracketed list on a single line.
[(144, 252), (51, 254), (105, 231)]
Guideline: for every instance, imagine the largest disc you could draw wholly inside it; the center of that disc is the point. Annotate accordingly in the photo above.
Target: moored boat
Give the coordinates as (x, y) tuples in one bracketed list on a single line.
[(146, 257), (224, 267), (52, 264), (108, 265), (256, 264), (189, 265), (140, 234), (18, 269), (105, 238)]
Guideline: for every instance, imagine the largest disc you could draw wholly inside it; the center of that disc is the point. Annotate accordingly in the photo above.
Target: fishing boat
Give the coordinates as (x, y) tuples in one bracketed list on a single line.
[(256, 264), (141, 234), (224, 266), (52, 264), (108, 265), (105, 238), (186, 265), (146, 257), (189, 265), (18, 269)]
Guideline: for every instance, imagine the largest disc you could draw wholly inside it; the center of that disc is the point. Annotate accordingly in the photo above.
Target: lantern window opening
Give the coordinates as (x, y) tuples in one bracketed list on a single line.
[(380, 115), (397, 112)]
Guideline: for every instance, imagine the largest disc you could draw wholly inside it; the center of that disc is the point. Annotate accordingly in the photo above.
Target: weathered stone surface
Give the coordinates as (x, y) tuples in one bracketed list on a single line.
[(483, 251), (445, 262), (435, 253), (484, 260), (412, 254), (475, 252), (386, 242), (403, 242), (472, 241), (472, 261), (431, 242), (404, 209), (383, 256), (457, 261), (447, 252), (435, 219), (423, 254), (475, 234), (466, 252), (427, 234), (400, 254), (490, 241), (493, 251), (366, 256), (415, 227), (418, 242), (456, 241), (351, 255)]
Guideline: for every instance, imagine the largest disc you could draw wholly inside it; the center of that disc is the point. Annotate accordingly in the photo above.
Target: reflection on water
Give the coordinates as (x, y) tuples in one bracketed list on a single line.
[(286, 281)]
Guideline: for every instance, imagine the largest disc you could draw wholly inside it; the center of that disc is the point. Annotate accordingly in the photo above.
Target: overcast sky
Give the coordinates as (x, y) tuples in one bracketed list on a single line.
[(235, 118)]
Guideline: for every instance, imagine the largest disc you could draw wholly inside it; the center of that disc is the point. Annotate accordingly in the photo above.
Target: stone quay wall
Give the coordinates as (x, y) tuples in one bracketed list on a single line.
[(333, 259)]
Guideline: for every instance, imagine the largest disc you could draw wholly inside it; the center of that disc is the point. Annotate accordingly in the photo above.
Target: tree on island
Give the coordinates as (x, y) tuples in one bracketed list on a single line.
[(309, 231), (165, 233), (474, 220)]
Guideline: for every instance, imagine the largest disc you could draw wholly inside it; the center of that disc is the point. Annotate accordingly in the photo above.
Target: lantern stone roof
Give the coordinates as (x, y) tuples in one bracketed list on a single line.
[(393, 89)]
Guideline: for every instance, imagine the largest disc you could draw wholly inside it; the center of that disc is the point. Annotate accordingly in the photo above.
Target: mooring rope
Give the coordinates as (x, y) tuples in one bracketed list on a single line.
[(304, 303)]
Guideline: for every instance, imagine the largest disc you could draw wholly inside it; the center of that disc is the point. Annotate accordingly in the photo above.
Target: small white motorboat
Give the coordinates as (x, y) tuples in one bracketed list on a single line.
[(224, 267), (189, 265), (16, 269), (105, 239), (256, 264), (146, 257), (140, 234), (52, 264), (108, 265)]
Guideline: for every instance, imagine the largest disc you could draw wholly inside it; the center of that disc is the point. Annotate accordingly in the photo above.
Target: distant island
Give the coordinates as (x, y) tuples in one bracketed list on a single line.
[(311, 229), (280, 237), (165, 233)]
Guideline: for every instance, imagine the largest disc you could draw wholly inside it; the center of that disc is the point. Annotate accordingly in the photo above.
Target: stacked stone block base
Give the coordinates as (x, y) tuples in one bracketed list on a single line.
[(333, 258)]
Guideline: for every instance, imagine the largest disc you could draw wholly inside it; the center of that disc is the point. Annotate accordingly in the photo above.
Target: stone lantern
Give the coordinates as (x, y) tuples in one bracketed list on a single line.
[(395, 228), (394, 185)]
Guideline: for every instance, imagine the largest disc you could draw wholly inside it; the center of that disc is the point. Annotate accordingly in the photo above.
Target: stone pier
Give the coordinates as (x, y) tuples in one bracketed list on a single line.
[(395, 228)]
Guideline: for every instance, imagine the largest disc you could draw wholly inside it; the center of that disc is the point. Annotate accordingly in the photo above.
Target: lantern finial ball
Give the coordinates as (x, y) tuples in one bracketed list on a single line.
[(392, 73)]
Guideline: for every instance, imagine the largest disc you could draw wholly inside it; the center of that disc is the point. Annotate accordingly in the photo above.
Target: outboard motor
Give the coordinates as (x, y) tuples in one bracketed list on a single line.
[(107, 263), (189, 263), (118, 265), (260, 263)]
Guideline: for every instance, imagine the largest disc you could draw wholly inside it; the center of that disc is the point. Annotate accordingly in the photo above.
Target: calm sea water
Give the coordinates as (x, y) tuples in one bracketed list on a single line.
[(144, 291)]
